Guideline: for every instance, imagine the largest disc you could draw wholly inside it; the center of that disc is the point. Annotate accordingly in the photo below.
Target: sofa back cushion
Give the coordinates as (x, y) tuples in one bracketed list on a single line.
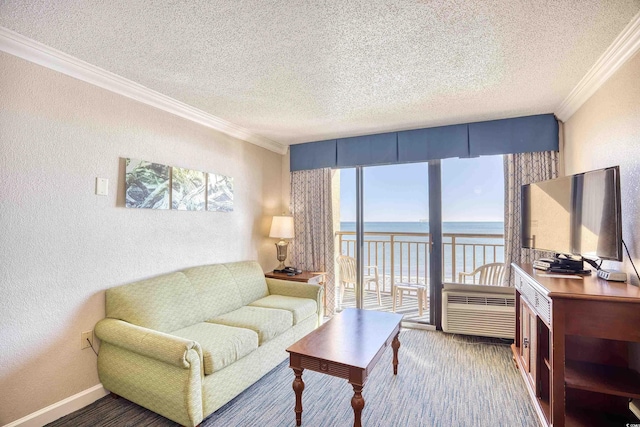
[(217, 290), (250, 280), (164, 303)]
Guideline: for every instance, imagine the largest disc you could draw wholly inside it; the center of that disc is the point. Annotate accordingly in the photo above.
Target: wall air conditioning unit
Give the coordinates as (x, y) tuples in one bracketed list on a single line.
[(487, 311)]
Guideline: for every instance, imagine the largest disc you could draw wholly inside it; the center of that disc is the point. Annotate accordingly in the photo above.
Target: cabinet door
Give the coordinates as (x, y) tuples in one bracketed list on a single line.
[(528, 334), (525, 339)]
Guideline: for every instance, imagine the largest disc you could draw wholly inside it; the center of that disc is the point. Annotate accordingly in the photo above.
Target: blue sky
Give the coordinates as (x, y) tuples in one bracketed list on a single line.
[(472, 190)]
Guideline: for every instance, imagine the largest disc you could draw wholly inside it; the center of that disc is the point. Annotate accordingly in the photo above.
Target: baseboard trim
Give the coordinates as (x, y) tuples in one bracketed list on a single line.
[(61, 408), (416, 325)]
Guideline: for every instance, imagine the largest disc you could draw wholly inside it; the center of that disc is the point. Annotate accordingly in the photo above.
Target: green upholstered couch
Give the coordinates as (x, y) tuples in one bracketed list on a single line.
[(184, 344)]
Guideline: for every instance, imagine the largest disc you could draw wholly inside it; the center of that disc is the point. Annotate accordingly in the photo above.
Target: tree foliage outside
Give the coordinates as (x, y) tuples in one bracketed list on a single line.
[(147, 185)]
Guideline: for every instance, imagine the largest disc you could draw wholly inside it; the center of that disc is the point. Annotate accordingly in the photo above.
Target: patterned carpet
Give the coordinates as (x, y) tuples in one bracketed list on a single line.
[(443, 380)]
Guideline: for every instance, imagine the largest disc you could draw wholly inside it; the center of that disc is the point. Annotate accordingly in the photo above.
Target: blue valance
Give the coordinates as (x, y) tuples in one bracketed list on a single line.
[(368, 150), (313, 155), (443, 142), (517, 135)]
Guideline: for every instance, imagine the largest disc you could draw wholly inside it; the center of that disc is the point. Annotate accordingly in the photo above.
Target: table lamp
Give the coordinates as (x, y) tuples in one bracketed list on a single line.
[(281, 228)]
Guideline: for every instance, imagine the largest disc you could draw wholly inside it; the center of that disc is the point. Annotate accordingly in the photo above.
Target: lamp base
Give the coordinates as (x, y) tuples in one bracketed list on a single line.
[(281, 250)]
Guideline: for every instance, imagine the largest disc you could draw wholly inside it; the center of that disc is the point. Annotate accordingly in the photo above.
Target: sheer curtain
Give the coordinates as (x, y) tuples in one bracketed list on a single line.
[(520, 169), (313, 245)]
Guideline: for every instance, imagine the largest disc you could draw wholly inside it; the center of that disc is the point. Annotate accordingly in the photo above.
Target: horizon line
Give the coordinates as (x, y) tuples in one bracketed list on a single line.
[(425, 221)]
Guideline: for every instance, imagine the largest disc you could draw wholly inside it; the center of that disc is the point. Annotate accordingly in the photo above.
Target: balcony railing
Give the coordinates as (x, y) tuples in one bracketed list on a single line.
[(404, 257)]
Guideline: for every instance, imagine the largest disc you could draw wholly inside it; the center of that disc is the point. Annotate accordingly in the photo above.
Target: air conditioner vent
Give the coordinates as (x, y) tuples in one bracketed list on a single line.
[(481, 300), (477, 313)]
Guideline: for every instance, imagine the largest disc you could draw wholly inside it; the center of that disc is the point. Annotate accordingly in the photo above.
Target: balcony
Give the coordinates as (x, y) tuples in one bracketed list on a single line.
[(404, 258)]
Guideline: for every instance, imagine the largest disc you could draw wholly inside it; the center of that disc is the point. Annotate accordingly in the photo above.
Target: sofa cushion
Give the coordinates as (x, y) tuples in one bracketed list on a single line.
[(164, 303), (250, 280), (221, 345), (267, 322), (216, 288), (301, 308)]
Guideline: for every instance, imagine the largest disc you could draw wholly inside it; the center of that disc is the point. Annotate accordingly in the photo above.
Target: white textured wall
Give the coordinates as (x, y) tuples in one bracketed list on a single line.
[(604, 132), (62, 246)]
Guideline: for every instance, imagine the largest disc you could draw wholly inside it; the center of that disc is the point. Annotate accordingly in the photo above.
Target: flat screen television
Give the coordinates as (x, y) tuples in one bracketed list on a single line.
[(575, 215)]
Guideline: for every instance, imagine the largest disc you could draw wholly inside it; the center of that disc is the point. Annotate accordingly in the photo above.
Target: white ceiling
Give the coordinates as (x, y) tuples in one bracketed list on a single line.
[(304, 71)]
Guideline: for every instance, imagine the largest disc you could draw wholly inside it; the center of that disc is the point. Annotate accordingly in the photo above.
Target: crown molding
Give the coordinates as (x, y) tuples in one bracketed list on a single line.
[(36, 52), (622, 48)]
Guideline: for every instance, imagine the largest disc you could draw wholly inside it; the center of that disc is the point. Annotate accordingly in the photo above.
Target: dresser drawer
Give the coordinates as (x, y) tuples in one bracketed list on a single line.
[(536, 299)]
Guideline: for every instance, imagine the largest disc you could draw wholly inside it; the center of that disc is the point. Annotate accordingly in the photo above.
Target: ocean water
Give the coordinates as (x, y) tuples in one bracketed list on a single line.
[(423, 227), (464, 251)]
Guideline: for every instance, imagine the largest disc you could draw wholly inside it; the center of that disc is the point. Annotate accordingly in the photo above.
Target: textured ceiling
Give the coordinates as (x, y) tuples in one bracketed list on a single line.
[(311, 70)]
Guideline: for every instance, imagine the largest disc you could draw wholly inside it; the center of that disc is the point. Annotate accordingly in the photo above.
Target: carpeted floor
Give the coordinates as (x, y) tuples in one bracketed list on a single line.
[(443, 380)]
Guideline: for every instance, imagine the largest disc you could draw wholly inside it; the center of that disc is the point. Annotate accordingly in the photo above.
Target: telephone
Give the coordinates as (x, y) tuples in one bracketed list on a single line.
[(289, 271)]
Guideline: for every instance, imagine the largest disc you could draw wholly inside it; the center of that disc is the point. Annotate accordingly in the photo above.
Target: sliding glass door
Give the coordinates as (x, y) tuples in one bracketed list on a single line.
[(473, 220), (347, 248), (422, 225), (396, 245), (392, 258)]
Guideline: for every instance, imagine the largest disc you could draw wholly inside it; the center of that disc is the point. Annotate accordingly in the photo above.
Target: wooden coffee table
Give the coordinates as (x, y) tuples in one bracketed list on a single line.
[(347, 346)]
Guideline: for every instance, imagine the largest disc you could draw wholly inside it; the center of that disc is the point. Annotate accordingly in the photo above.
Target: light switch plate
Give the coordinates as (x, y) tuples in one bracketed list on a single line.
[(102, 186)]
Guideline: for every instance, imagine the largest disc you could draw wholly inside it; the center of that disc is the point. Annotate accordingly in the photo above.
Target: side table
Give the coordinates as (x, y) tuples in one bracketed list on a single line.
[(421, 291)]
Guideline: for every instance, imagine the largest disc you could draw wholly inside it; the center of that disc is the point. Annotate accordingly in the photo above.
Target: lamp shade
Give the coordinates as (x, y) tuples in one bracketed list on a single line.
[(282, 227)]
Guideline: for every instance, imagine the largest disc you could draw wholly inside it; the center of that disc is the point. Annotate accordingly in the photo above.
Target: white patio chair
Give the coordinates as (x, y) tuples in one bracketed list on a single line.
[(347, 272), (487, 274)]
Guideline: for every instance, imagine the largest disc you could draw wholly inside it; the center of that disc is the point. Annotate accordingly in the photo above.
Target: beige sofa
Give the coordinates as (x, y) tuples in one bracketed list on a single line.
[(184, 344)]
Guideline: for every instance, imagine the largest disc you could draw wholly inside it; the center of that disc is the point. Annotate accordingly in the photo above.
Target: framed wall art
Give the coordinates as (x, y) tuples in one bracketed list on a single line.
[(187, 189), (147, 184), (219, 193)]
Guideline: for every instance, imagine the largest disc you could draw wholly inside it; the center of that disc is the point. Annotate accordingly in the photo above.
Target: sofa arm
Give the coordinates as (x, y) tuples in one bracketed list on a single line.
[(294, 289), (300, 290), (147, 342)]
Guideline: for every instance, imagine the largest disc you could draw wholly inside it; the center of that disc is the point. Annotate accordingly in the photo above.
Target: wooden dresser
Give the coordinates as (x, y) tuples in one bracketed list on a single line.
[(571, 347)]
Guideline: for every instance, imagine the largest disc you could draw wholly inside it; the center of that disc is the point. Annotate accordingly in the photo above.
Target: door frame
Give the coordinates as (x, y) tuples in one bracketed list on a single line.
[(435, 236)]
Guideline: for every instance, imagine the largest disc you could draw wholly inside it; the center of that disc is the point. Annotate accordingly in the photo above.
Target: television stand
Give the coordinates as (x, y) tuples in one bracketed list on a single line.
[(571, 347)]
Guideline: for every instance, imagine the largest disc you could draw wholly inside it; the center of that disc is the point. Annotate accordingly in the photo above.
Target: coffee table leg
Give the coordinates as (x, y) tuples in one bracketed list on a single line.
[(298, 387), (395, 345), (357, 403)]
